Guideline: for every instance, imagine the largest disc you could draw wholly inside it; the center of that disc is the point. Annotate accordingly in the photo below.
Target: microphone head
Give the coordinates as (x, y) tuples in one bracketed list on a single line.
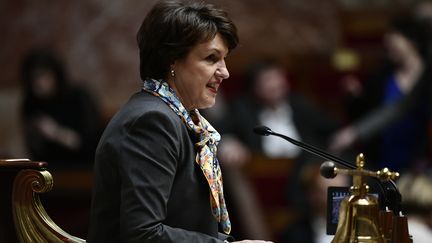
[(327, 169), (262, 130)]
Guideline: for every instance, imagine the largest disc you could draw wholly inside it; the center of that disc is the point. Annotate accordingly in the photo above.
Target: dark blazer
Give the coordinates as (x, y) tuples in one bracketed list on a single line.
[(314, 125), (147, 186)]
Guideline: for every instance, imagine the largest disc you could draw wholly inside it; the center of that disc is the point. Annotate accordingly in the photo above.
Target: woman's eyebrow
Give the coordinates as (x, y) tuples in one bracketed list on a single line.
[(218, 51)]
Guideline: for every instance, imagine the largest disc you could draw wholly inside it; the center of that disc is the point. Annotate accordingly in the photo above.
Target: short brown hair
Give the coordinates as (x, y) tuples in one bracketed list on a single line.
[(172, 28)]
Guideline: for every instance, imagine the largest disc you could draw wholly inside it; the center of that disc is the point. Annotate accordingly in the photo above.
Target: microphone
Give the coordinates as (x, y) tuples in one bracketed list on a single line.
[(265, 131), (392, 195), (262, 130)]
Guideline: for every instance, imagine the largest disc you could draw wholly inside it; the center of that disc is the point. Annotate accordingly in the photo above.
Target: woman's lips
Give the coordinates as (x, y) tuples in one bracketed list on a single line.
[(213, 86), (214, 90)]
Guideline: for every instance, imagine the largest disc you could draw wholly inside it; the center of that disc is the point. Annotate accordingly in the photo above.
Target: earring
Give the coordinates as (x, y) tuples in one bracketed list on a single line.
[(172, 73)]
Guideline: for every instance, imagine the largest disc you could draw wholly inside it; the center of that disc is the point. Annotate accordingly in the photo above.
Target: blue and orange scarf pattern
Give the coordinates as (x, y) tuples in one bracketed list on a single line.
[(208, 139)]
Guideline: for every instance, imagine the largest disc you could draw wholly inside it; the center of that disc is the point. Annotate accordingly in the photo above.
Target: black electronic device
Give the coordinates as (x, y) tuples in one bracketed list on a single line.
[(335, 195)]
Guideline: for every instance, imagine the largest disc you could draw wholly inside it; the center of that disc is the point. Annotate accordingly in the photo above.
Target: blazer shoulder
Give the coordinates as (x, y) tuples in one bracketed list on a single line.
[(143, 114), (143, 106)]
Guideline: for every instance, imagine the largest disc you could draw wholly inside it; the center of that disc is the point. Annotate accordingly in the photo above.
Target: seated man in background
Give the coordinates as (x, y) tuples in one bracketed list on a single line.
[(269, 101)]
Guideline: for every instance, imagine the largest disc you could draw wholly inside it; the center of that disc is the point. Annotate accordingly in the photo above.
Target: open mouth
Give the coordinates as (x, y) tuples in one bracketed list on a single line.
[(213, 87)]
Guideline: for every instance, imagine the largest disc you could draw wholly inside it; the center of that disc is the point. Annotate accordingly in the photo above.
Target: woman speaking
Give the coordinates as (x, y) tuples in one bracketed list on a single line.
[(157, 178)]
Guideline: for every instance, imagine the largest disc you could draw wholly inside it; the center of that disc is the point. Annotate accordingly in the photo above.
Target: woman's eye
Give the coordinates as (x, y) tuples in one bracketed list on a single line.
[(212, 58)]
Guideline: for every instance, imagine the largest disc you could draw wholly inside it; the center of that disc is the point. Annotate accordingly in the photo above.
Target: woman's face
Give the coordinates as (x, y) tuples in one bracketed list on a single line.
[(271, 86), (199, 75)]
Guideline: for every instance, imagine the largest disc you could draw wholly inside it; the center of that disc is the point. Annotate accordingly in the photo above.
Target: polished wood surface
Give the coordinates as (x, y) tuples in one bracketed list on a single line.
[(18, 164)]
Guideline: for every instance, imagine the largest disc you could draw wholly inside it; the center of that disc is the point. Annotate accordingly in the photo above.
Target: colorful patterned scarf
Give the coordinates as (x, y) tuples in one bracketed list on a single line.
[(208, 138)]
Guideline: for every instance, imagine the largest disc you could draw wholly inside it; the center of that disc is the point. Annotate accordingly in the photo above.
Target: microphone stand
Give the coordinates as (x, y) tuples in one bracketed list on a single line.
[(392, 196)]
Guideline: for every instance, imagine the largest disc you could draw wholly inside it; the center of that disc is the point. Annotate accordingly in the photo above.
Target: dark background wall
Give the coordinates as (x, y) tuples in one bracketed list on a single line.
[(96, 39)]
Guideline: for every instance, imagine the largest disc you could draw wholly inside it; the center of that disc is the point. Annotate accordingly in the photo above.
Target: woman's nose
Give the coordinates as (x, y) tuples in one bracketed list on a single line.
[(222, 71)]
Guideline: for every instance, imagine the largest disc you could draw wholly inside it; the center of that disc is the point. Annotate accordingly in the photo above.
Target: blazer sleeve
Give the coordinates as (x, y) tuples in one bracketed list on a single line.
[(149, 158)]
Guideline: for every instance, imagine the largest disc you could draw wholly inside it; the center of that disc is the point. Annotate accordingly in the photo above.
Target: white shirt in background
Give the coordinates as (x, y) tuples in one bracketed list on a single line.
[(281, 121), (420, 232)]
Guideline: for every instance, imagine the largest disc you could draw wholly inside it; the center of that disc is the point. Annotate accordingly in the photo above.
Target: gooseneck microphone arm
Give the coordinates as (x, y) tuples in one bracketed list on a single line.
[(265, 131), (392, 195)]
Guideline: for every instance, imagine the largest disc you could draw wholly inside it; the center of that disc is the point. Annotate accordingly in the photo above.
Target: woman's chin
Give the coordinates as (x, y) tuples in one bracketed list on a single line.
[(208, 104)]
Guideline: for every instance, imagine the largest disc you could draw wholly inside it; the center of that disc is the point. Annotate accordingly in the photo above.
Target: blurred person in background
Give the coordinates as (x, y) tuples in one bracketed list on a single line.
[(270, 101), (390, 112), (417, 204), (61, 122)]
